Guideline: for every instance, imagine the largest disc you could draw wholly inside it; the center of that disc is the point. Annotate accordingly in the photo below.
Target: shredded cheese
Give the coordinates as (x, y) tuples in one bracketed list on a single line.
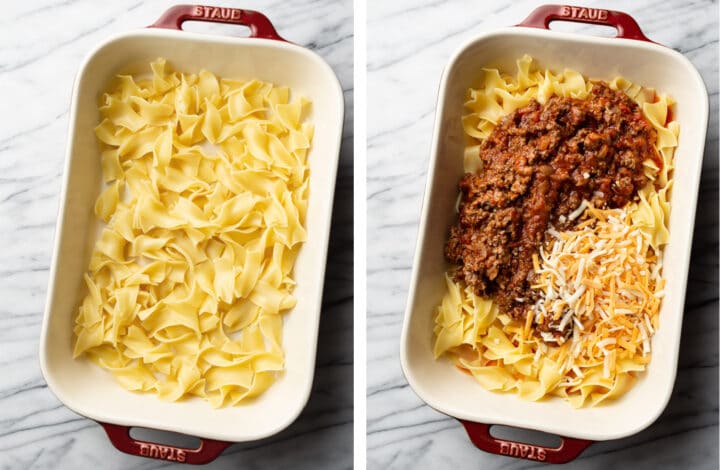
[(611, 315)]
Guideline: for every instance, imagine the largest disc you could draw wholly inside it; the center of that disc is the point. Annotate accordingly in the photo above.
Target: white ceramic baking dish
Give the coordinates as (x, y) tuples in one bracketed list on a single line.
[(442, 386), (91, 391)]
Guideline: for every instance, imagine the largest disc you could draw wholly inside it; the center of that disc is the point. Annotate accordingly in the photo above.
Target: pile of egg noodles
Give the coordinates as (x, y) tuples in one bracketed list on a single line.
[(204, 207), (613, 316)]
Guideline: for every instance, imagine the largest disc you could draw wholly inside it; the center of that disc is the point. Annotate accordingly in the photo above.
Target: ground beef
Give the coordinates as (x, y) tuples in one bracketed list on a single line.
[(538, 165)]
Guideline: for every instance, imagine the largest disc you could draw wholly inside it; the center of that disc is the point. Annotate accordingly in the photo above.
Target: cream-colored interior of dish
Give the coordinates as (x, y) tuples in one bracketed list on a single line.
[(205, 202), (601, 359)]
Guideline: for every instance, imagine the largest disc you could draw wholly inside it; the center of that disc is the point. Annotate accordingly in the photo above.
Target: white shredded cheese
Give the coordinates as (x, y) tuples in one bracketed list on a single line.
[(578, 212)]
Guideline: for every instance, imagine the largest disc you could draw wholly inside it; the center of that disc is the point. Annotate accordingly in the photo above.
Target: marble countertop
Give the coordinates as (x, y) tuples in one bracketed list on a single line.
[(41, 46), (410, 41)]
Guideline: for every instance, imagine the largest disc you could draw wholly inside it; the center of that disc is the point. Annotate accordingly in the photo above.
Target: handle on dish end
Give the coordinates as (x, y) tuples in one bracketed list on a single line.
[(207, 452), (480, 436), (626, 26), (259, 24)]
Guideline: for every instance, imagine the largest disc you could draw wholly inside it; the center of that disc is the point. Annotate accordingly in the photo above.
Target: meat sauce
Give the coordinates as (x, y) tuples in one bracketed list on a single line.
[(538, 165)]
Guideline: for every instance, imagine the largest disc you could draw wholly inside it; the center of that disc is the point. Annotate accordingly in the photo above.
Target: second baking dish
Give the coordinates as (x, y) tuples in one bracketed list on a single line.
[(639, 60)]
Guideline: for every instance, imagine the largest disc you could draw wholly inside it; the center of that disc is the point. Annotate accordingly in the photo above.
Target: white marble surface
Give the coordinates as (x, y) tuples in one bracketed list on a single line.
[(410, 42), (41, 46)]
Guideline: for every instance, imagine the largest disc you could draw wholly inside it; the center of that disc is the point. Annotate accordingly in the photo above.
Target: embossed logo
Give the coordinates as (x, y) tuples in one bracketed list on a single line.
[(525, 451), (217, 13), (158, 451), (584, 13)]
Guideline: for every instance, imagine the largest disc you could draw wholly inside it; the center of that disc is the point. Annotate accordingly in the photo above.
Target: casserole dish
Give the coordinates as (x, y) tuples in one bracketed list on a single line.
[(437, 382), (91, 391)]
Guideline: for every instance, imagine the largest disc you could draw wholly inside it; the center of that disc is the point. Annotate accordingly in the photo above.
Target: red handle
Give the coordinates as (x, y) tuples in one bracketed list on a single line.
[(260, 26), (207, 452), (480, 436), (625, 25)]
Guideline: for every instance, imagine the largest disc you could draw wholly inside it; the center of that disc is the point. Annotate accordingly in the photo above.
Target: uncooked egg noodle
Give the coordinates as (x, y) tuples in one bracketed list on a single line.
[(203, 210), (603, 277)]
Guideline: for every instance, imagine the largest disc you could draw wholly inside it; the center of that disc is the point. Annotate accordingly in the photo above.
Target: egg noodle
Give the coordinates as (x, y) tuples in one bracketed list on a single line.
[(204, 206), (602, 277)]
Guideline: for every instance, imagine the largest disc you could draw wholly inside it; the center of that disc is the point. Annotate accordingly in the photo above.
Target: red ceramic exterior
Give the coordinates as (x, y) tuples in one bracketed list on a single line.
[(479, 433), (260, 26), (626, 26), (207, 452), (480, 436)]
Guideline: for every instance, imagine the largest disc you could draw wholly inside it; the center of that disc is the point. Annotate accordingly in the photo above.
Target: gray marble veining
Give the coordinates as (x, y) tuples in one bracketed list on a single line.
[(409, 43), (41, 46)]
